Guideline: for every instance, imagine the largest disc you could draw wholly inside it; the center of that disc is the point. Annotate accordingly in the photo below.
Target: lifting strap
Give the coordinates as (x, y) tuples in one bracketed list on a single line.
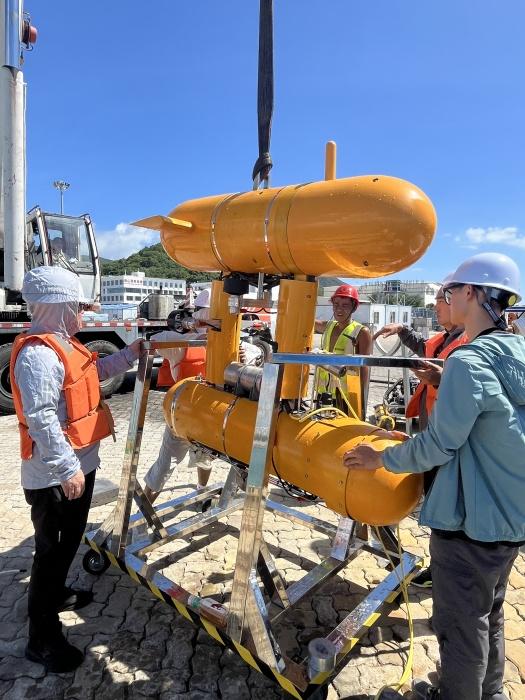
[(263, 164)]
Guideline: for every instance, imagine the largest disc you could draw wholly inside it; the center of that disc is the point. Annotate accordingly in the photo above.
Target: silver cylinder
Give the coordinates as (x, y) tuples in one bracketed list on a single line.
[(160, 306), (245, 379), (322, 656)]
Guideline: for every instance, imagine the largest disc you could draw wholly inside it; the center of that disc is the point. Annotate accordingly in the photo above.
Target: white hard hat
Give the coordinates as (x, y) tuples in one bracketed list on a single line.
[(203, 298), (492, 270), (51, 285)]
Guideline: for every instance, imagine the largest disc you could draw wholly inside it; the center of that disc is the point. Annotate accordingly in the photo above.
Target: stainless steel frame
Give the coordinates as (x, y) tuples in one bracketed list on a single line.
[(260, 595)]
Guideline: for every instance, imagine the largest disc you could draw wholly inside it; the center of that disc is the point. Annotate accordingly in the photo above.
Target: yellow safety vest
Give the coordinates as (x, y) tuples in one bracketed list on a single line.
[(351, 384)]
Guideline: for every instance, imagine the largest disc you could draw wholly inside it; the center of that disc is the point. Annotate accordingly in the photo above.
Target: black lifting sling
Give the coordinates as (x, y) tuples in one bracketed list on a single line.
[(263, 164)]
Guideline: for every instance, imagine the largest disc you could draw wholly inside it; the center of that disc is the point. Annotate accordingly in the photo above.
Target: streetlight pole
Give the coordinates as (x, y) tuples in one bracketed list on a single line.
[(62, 186)]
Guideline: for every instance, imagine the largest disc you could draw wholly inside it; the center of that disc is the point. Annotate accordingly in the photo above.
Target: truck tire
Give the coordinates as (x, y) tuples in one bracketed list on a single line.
[(103, 348), (6, 397)]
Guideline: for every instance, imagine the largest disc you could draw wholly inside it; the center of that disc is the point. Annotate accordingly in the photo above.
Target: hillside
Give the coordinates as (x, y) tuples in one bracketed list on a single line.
[(155, 263)]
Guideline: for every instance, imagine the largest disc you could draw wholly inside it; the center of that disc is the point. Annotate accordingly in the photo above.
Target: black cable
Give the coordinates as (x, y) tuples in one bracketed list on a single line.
[(292, 490), (263, 164)]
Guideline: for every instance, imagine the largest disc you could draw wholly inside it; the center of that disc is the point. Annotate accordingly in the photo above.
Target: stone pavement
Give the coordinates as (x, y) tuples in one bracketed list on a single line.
[(137, 647)]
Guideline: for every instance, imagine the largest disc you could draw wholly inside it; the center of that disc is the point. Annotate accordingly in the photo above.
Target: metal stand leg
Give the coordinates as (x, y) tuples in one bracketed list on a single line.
[(259, 626), (271, 577), (244, 599), (127, 488), (345, 532)]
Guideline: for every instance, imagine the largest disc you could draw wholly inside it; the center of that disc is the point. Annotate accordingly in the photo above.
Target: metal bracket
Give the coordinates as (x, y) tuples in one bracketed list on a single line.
[(254, 506)]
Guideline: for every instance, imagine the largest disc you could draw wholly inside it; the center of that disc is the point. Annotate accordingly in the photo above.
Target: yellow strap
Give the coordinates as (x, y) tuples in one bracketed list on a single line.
[(347, 402), (410, 659)]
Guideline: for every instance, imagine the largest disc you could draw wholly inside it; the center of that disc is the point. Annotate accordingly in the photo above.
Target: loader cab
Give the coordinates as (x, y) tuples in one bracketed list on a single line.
[(67, 241)]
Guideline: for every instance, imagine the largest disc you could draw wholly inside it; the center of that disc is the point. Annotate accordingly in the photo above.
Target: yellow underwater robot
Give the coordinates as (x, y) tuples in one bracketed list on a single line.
[(363, 227)]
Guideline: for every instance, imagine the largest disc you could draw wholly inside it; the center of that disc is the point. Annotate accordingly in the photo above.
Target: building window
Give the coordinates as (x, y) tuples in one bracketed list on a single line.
[(376, 317), (405, 316), (392, 317)]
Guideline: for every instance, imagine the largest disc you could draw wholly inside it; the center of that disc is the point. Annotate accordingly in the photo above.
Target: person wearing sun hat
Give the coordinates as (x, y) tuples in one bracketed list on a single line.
[(61, 417)]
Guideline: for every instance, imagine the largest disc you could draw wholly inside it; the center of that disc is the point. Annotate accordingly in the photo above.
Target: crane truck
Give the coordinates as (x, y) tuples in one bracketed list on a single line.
[(44, 238), (39, 237)]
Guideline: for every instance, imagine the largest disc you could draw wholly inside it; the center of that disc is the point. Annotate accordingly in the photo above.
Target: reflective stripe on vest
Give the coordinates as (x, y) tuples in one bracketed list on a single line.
[(88, 419), (431, 345), (351, 331)]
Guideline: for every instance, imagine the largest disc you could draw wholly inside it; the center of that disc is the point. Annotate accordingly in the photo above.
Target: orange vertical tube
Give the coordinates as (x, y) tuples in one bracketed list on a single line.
[(330, 161), (223, 343), (294, 330)]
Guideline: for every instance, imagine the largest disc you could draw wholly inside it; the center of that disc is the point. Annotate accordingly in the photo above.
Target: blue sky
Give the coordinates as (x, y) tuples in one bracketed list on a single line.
[(143, 105)]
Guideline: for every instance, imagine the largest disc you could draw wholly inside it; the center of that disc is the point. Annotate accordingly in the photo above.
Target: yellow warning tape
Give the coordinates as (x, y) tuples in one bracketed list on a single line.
[(112, 558), (246, 655), (155, 590), (182, 609), (374, 617), (133, 574), (242, 651), (212, 630), (287, 685)]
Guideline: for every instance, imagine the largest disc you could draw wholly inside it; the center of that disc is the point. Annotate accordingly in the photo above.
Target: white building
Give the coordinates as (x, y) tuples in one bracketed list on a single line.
[(390, 289), (135, 287)]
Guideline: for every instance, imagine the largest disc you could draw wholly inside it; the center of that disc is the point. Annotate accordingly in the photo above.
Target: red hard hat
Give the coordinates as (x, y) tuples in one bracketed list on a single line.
[(348, 292)]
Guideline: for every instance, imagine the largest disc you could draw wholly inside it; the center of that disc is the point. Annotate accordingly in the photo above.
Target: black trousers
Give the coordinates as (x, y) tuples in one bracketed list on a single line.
[(59, 525), (468, 590)]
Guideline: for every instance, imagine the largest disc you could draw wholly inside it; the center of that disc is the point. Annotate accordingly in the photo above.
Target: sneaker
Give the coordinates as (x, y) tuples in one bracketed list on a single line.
[(422, 690), (423, 579), (75, 600), (56, 654)]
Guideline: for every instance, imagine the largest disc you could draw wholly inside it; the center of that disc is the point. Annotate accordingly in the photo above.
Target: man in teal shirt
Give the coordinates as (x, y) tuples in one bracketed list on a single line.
[(476, 506)]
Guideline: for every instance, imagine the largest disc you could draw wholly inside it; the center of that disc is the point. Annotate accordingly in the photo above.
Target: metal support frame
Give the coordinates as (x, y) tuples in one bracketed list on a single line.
[(256, 488), (260, 595), (129, 487)]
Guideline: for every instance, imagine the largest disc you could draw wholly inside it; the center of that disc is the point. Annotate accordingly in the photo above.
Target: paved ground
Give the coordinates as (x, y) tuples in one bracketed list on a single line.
[(136, 647)]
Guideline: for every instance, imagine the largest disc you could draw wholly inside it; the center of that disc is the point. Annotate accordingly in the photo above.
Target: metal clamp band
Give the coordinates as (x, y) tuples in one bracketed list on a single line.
[(213, 221)]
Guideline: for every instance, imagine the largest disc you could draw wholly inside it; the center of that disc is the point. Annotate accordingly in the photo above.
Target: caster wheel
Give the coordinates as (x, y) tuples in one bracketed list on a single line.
[(95, 563)]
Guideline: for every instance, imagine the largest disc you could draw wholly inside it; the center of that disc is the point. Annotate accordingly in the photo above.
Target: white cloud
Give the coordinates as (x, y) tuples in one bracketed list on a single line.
[(124, 240), (509, 235)]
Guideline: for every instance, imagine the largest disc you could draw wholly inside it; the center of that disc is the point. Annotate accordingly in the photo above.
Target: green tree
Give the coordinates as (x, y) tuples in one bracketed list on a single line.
[(154, 261)]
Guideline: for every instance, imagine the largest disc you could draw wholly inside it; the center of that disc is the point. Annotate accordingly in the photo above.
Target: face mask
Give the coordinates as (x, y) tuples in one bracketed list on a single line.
[(61, 319)]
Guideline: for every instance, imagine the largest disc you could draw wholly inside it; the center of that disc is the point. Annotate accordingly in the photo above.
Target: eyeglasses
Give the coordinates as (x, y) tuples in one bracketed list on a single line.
[(447, 293)]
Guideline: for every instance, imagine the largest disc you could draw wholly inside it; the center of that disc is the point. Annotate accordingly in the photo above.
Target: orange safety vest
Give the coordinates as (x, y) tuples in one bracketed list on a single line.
[(192, 364), (431, 345), (88, 418)]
